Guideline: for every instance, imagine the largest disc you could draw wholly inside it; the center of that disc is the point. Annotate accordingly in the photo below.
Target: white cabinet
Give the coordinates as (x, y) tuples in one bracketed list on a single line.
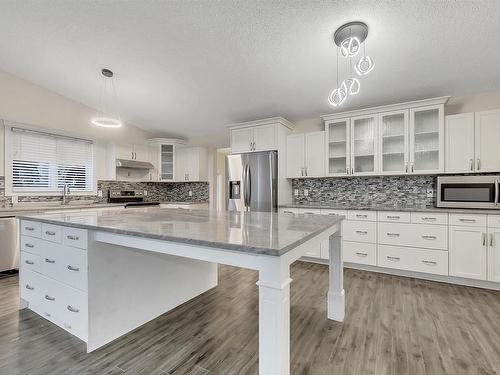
[(191, 164), (364, 145), (305, 156), (472, 142), (394, 142), (241, 140), (494, 254), (468, 252), (265, 138), (427, 139), (164, 157), (338, 153), (132, 152), (257, 135)]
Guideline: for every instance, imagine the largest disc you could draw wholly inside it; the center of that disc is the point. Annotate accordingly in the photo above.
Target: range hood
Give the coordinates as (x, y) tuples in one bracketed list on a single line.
[(125, 163)]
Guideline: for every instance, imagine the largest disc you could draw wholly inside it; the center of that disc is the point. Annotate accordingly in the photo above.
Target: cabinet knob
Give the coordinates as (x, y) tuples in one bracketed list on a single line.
[(30, 262), (73, 268)]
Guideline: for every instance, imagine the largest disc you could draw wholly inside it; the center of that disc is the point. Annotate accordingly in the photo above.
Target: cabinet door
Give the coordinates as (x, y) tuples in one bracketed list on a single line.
[(141, 153), (337, 134), (124, 152), (426, 139), (295, 156), (487, 141), (192, 164), (494, 254), (315, 154), (459, 143), (364, 145), (241, 140), (393, 136), (468, 252), (166, 162), (264, 138), (181, 155)]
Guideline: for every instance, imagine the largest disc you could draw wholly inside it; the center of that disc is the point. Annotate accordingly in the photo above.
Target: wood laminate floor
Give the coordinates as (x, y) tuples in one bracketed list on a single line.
[(394, 325)]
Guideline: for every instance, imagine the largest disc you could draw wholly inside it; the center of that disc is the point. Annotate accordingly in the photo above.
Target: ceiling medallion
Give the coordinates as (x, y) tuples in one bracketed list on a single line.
[(349, 39), (106, 119)]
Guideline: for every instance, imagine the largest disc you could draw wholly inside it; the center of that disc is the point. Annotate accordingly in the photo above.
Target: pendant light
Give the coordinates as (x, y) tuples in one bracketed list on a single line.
[(108, 116)]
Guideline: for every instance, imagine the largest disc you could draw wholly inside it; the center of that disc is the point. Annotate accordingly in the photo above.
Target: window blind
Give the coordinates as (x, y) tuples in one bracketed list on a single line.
[(44, 162)]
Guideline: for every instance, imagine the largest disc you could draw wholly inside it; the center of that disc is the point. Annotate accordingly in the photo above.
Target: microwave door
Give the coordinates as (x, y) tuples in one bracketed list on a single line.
[(467, 192)]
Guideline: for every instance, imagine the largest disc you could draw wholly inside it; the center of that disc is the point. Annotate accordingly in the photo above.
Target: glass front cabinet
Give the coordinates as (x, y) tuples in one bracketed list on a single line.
[(338, 147), (394, 142), (163, 157)]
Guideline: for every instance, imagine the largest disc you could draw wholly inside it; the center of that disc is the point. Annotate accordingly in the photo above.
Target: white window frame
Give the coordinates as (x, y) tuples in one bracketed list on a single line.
[(8, 163)]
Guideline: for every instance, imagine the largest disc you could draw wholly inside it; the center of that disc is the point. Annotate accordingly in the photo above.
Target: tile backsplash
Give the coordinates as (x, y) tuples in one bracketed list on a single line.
[(386, 190), (157, 191)]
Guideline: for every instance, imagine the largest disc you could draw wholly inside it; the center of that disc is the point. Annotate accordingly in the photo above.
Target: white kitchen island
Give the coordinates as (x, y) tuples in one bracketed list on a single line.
[(102, 274)]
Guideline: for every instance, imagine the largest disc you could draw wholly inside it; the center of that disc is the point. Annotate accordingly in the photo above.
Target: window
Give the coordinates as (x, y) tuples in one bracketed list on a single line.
[(43, 162)]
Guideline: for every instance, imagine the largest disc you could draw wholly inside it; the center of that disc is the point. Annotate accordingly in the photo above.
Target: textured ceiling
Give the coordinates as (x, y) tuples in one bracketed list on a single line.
[(188, 68)]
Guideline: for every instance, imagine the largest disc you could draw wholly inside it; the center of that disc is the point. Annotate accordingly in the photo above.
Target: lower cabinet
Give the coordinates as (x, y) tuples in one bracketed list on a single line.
[(468, 251), (360, 252), (494, 254), (413, 259)]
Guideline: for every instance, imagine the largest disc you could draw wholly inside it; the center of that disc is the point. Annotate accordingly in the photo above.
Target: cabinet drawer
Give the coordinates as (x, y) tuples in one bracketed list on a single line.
[(469, 220), (51, 232), (73, 265), (310, 211), (30, 287), (362, 215), (415, 235), (52, 296), (50, 260), (75, 237), (393, 216), (74, 316), (439, 218), (359, 231), (31, 245), (31, 228), (328, 211), (413, 259), (30, 261), (360, 252), (494, 221), (289, 210)]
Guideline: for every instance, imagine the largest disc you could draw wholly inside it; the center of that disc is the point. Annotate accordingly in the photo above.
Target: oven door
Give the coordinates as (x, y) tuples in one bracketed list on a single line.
[(468, 192)]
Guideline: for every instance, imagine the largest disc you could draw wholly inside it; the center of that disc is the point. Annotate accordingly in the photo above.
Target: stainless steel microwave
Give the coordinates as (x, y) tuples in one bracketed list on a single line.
[(468, 191)]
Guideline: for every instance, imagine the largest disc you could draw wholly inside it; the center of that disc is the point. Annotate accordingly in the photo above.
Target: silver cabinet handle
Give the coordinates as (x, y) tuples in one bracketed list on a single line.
[(471, 164), (30, 262), (332, 214), (364, 216), (390, 234), (428, 237), (302, 171), (406, 167), (429, 262), (73, 268), (29, 287), (393, 217), (362, 232), (393, 259), (73, 238), (51, 261), (308, 213), (50, 233), (483, 238), (347, 171), (478, 164), (49, 298), (412, 168), (427, 218), (352, 170), (467, 220), (362, 254), (492, 244), (29, 228), (29, 245), (73, 309), (287, 212), (305, 170)]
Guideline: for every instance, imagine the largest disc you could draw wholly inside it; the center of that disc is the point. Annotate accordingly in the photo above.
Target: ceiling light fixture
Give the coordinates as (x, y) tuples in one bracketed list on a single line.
[(106, 119), (349, 38)]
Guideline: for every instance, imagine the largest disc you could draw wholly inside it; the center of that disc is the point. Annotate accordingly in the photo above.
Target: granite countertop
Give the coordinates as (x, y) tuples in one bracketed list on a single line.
[(250, 232), (333, 206), (41, 207), (185, 202)]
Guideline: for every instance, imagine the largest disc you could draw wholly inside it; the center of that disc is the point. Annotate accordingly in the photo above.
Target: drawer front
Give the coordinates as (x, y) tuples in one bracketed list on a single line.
[(289, 210), (75, 237), (74, 316), (31, 244), (51, 260), (327, 211), (413, 259), (360, 252), (30, 287), (73, 269), (393, 216), (414, 235), (30, 261), (52, 233), (494, 221), (359, 231), (439, 218), (362, 215), (310, 211), (31, 228), (52, 296), (469, 220)]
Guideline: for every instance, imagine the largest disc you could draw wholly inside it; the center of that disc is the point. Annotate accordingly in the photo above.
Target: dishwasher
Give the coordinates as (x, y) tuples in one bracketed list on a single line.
[(9, 249)]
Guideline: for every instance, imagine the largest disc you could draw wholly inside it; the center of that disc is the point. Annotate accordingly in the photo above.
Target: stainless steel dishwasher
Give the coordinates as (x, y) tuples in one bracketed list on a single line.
[(9, 249)]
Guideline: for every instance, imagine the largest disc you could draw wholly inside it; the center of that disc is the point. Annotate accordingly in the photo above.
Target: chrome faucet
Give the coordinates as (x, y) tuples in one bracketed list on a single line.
[(65, 194)]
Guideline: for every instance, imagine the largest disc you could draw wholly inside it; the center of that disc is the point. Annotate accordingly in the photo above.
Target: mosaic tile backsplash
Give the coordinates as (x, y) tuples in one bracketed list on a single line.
[(387, 190), (157, 191)]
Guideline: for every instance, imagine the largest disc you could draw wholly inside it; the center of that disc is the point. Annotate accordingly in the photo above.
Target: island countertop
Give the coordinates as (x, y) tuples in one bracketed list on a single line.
[(251, 232)]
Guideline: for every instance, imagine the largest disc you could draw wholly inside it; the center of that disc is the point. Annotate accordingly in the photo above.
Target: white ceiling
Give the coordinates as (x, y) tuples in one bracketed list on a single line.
[(189, 68)]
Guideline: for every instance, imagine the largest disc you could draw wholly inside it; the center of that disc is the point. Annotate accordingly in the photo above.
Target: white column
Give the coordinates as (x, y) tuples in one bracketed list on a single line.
[(336, 293), (274, 320)]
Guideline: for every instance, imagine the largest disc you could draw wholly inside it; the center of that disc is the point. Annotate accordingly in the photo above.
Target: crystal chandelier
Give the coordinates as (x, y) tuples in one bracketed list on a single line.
[(350, 39)]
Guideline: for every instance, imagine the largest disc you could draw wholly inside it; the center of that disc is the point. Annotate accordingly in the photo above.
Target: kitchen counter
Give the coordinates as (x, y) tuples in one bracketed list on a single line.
[(40, 208), (390, 208)]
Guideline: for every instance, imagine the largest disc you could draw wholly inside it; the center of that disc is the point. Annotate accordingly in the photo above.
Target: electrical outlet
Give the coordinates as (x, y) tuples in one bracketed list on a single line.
[(99, 193), (296, 192), (145, 193), (306, 192), (190, 193), (430, 192)]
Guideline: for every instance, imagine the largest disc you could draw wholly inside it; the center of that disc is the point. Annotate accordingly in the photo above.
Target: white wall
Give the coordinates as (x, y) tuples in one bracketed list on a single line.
[(24, 102)]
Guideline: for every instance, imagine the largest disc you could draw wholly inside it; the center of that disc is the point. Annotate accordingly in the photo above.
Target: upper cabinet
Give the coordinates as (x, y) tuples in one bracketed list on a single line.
[(338, 154), (471, 143), (132, 152), (163, 157), (262, 135), (191, 164), (306, 155), (394, 142), (364, 150)]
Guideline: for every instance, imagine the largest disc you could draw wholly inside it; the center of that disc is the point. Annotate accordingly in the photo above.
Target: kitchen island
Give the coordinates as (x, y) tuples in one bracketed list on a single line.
[(102, 274)]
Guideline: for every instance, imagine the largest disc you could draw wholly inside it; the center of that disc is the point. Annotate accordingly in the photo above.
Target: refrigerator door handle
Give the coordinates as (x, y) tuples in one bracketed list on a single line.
[(272, 163), (244, 178), (249, 180)]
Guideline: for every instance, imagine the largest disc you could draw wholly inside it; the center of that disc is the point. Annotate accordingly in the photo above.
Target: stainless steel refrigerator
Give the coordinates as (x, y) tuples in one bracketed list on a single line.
[(252, 182)]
